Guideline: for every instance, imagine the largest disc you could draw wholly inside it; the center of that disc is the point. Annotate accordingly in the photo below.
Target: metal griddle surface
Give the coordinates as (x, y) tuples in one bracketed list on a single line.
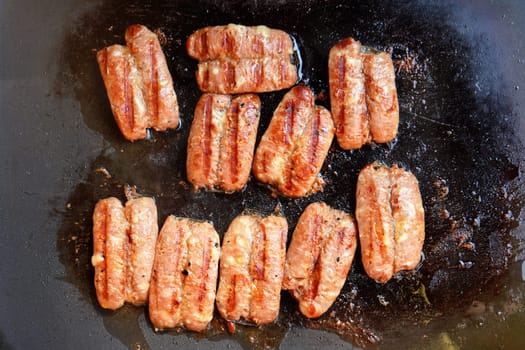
[(460, 133)]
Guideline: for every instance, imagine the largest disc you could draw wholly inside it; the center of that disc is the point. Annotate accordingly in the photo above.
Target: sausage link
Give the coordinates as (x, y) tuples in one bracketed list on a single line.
[(109, 252)]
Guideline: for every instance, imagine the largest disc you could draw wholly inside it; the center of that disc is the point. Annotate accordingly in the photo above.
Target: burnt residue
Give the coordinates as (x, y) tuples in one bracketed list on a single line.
[(455, 134)]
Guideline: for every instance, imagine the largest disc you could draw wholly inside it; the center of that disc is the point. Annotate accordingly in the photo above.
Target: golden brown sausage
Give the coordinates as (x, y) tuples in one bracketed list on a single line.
[(141, 214), (363, 95), (124, 88), (319, 257), (251, 268), (184, 275), (347, 94), (109, 259), (162, 107), (390, 218), (294, 147), (238, 41), (236, 59), (222, 141), (381, 96), (124, 241), (139, 84)]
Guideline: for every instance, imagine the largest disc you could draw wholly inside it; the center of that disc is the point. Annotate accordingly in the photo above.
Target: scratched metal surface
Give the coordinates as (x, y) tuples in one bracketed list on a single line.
[(461, 133)]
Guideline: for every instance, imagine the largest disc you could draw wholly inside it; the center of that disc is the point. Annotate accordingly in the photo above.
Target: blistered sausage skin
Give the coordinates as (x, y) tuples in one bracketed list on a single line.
[(347, 94), (124, 247), (319, 257), (123, 84), (229, 76), (390, 218), (294, 147), (109, 259), (141, 214), (235, 59), (162, 108), (237, 41), (222, 141), (251, 268), (381, 96), (184, 275)]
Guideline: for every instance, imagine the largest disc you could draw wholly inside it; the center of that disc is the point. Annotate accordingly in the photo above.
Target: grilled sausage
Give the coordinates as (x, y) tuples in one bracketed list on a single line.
[(251, 268), (161, 102), (229, 76), (124, 88), (124, 241), (390, 217), (141, 214), (319, 257), (235, 59), (222, 141), (294, 147), (139, 84), (184, 275), (237, 41), (347, 94), (381, 96), (109, 259), (363, 95)]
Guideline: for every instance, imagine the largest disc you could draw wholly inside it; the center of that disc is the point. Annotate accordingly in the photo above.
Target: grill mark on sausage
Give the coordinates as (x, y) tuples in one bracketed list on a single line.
[(105, 225), (227, 42), (128, 96), (230, 74), (234, 158), (177, 256), (259, 259), (206, 127), (289, 121), (232, 297), (313, 142), (258, 72), (341, 72), (204, 274), (154, 88)]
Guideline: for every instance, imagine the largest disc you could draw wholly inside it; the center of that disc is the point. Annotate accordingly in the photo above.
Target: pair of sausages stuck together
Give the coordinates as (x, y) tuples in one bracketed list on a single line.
[(254, 265)]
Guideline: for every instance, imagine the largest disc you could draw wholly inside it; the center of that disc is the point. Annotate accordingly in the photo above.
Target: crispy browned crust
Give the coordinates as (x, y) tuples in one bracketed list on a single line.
[(381, 96), (251, 268), (123, 85), (222, 141), (237, 41), (294, 147), (347, 94), (109, 252), (184, 275), (139, 84), (236, 59), (230, 76), (162, 107), (319, 257), (390, 218), (141, 214)]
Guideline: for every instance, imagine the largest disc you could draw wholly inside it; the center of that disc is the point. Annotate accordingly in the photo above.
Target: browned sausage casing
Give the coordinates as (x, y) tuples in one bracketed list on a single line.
[(294, 147), (124, 241), (251, 268), (391, 221), (236, 59), (139, 84), (319, 257), (184, 275), (381, 96), (162, 108), (347, 94), (363, 95), (110, 230), (222, 141)]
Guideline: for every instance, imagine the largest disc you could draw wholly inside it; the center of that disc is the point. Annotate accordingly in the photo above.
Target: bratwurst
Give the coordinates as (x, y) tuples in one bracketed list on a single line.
[(391, 220), (124, 241), (251, 268), (294, 147), (236, 59), (363, 95), (222, 141), (319, 257), (139, 84), (184, 275)]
